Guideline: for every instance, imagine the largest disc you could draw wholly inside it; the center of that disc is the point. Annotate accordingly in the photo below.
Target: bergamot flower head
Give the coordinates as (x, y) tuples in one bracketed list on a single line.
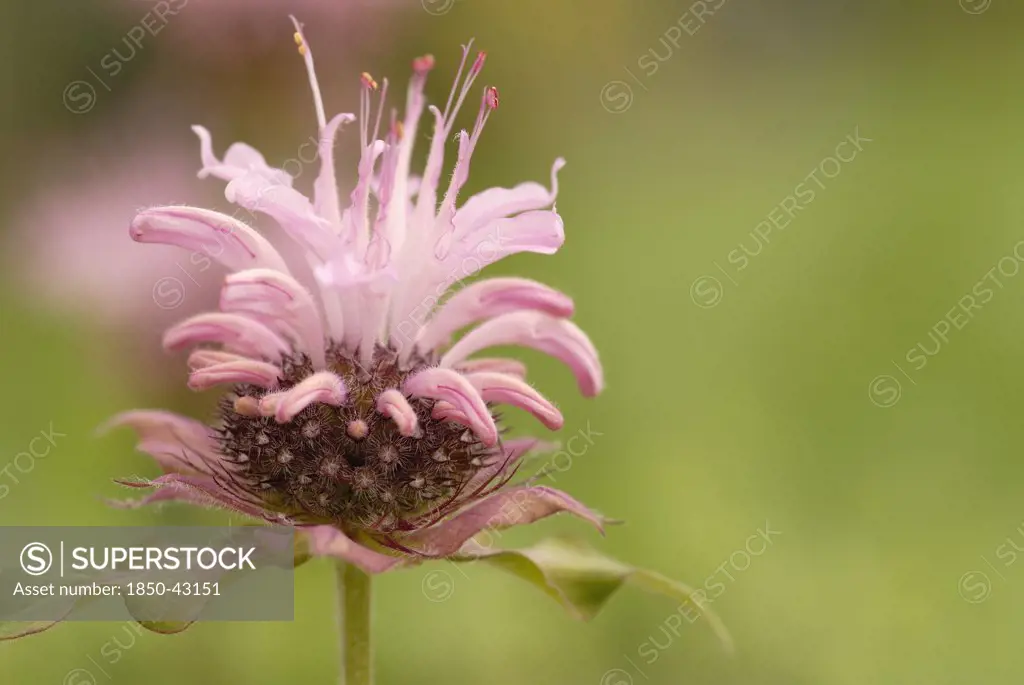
[(348, 411)]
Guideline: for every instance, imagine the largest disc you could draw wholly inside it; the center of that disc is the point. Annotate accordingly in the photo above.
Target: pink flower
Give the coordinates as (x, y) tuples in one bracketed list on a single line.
[(350, 414)]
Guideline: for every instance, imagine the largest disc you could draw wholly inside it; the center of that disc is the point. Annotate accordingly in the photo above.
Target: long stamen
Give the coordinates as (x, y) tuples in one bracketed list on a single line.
[(458, 77), (478, 65), (307, 56), (364, 109), (380, 109), (488, 104)]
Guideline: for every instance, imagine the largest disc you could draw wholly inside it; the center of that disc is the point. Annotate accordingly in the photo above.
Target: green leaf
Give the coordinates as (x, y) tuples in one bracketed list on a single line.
[(10, 630), (582, 579)]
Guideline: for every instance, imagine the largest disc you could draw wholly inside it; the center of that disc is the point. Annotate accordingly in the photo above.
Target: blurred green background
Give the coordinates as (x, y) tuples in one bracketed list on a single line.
[(778, 394)]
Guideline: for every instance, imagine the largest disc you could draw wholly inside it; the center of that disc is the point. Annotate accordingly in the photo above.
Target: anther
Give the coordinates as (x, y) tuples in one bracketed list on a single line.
[(422, 65), (478, 63)]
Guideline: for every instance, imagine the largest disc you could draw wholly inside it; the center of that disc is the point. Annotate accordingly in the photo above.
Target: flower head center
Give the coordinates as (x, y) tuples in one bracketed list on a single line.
[(349, 465)]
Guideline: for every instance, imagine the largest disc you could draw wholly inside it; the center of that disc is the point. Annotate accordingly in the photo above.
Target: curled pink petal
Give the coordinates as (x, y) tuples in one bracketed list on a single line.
[(392, 403), (328, 541), (268, 404), (178, 444), (221, 237), (539, 231), (450, 386), (559, 338), (279, 302), (202, 358), (497, 203), (247, 371), (323, 386), (513, 507), (235, 332), (239, 159), (442, 411), (503, 389), (487, 299), (510, 367)]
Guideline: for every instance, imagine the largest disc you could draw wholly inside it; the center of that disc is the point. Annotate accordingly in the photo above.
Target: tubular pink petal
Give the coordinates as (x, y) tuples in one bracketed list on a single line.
[(328, 541), (559, 338), (268, 404), (324, 387), (357, 232), (248, 371), (498, 203), (325, 188), (236, 332), (178, 444), (398, 211), (487, 299), (514, 507), (223, 238), (202, 358), (426, 200), (443, 411), (288, 207), (503, 389), (450, 386), (279, 302), (510, 367), (393, 404)]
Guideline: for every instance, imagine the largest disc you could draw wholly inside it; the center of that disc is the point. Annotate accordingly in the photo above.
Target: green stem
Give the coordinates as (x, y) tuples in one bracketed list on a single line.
[(354, 620)]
